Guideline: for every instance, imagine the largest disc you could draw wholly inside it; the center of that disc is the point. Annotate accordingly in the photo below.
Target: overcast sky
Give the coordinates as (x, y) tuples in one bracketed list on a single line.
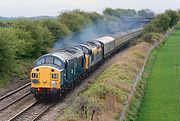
[(15, 8)]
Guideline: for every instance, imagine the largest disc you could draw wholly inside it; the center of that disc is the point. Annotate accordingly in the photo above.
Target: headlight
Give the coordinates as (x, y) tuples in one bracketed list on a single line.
[(34, 75), (53, 83), (54, 76)]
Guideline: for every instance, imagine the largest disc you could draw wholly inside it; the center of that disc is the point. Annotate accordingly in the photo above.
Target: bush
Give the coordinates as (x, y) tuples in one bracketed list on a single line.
[(148, 37), (7, 53)]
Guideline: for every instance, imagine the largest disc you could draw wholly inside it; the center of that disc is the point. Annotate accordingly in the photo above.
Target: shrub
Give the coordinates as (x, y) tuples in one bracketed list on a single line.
[(148, 37), (7, 52)]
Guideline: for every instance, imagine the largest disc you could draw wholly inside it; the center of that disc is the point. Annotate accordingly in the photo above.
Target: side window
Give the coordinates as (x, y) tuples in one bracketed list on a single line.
[(57, 62), (92, 57)]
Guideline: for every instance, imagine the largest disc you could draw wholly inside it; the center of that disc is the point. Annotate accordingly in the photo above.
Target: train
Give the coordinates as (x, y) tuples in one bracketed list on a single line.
[(57, 72)]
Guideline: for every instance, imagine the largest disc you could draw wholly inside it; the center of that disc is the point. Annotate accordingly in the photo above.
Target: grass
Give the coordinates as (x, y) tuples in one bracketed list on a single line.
[(162, 94), (136, 102)]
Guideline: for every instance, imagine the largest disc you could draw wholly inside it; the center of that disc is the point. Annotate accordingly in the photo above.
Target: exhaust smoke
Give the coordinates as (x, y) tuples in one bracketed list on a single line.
[(105, 27)]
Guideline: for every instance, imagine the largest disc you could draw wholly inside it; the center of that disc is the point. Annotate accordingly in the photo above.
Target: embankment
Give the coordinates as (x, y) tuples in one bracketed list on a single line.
[(108, 95)]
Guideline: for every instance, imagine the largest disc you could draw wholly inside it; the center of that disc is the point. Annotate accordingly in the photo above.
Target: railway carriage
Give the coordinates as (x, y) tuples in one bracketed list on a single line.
[(123, 38), (108, 45)]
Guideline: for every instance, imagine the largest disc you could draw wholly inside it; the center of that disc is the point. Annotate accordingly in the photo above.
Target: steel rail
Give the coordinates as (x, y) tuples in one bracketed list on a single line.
[(24, 110), (44, 111), (15, 101), (14, 91)]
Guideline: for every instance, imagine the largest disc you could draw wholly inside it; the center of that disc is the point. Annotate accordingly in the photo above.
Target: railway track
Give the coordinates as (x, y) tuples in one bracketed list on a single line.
[(14, 91), (20, 105), (14, 96), (43, 112), (13, 102), (33, 112)]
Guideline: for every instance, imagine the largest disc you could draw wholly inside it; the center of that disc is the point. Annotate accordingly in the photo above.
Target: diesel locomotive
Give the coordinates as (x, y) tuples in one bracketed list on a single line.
[(58, 71)]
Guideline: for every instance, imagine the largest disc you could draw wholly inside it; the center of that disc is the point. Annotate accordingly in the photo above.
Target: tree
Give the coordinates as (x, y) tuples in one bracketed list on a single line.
[(39, 39), (56, 28), (119, 12), (94, 17), (74, 20), (7, 52), (162, 23), (146, 13), (174, 17), (159, 24)]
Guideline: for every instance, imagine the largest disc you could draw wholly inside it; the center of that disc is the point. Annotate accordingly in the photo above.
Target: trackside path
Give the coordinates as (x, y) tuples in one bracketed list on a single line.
[(162, 94)]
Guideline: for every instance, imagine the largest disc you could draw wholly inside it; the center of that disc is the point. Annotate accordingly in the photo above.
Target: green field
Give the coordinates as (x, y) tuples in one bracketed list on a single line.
[(162, 95)]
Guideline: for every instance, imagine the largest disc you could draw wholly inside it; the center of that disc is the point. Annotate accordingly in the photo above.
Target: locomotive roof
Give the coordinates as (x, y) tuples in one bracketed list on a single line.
[(92, 44), (68, 53)]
